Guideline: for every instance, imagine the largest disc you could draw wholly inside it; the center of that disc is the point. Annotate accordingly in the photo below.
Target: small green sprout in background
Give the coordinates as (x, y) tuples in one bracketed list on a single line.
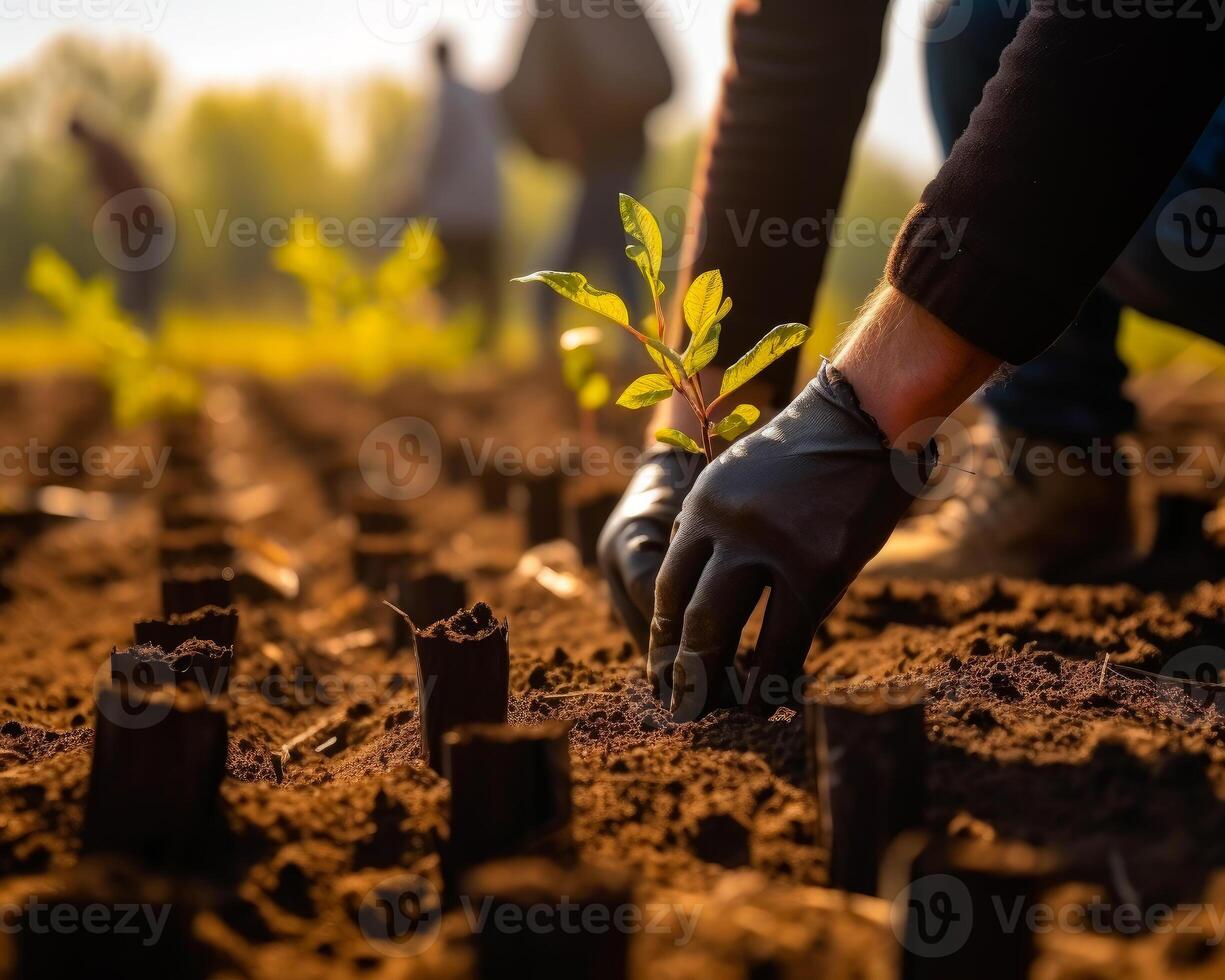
[(581, 373), (143, 382), (705, 308)]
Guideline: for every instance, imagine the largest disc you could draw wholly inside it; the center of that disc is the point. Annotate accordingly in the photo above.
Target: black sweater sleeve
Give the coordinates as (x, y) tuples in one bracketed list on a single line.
[(1095, 107)]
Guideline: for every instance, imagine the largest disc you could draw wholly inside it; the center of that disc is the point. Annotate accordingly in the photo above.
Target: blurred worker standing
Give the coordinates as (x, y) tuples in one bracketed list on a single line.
[(581, 95), (136, 218), (461, 192)]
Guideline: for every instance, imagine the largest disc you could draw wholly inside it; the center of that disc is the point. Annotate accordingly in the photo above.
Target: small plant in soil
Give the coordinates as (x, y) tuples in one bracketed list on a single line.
[(463, 674), (705, 307), (582, 375)]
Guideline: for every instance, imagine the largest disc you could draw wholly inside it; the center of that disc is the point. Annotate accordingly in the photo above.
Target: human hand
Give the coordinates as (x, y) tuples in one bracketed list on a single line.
[(799, 507)]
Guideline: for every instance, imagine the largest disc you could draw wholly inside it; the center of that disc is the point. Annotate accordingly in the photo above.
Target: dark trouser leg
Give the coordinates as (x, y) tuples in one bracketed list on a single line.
[(1073, 392), (793, 99)]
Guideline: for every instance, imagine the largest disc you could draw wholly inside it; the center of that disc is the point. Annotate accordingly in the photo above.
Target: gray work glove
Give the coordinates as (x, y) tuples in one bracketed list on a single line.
[(799, 506), (633, 542)]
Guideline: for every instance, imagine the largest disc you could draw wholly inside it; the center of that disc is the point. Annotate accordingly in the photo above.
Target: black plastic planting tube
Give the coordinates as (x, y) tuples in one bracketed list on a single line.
[(510, 795), (517, 888), (158, 760), (967, 904), (463, 674), (425, 598), (870, 773)]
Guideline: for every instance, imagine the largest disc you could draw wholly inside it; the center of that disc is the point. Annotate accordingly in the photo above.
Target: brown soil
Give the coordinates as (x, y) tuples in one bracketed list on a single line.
[(326, 795)]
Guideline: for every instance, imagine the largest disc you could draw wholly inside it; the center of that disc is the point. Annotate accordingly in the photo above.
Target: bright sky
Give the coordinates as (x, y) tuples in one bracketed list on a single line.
[(326, 41)]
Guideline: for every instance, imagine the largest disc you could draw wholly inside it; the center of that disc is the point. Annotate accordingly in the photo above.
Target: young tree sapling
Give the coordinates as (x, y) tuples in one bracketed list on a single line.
[(705, 307)]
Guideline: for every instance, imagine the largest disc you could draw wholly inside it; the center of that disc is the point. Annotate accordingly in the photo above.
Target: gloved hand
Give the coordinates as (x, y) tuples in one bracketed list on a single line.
[(632, 545), (800, 507)]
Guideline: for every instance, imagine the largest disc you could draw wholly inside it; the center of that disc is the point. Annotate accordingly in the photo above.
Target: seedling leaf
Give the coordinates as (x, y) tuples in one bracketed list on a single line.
[(575, 287), (594, 393), (703, 300), (737, 421), (641, 226), (665, 353), (648, 390), (765, 352), (702, 350), (673, 437)]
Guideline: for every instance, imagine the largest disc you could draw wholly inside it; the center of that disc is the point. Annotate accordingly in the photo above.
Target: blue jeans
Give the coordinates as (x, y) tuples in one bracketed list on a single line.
[(1073, 393)]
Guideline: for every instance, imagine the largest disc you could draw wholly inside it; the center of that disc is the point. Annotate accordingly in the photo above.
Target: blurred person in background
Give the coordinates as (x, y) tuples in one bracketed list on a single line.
[(581, 95), (135, 215), (1069, 150), (461, 192)]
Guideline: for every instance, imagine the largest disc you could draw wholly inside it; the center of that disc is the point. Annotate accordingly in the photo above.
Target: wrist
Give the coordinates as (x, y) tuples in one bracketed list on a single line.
[(908, 369)]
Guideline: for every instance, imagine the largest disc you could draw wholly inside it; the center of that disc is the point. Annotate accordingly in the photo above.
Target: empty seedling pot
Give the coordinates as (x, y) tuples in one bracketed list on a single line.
[(586, 518), (870, 751), (510, 795), (147, 929), (184, 590), (203, 663), (965, 905), (463, 674), (425, 598), (158, 760), (537, 498), (506, 890), (381, 559), (202, 546), (494, 487), (219, 626)]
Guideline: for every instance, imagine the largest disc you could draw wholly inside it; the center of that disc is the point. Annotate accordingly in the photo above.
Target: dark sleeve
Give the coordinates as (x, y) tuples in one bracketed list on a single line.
[(1087, 121), (777, 155)]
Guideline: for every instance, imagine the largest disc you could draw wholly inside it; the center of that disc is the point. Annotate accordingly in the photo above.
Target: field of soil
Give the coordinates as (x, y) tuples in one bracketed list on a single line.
[(1032, 734)]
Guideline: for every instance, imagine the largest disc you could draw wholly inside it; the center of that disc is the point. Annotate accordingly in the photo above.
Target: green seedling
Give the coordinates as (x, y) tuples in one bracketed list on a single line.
[(582, 375), (144, 381), (705, 307)]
